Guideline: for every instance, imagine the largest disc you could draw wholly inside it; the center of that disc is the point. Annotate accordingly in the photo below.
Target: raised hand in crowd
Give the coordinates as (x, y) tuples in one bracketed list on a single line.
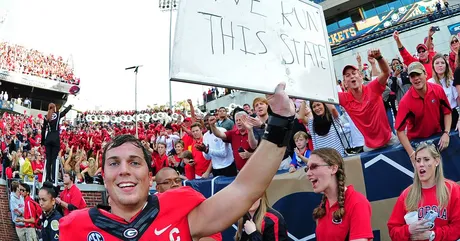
[(212, 120), (246, 123), (397, 39), (358, 59)]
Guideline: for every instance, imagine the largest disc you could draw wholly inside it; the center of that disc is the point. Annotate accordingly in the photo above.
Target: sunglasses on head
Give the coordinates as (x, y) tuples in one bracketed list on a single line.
[(428, 143), (454, 41), (314, 166)]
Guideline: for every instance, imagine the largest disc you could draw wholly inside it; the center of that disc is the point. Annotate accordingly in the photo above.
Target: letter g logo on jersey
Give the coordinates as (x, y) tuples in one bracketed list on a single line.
[(130, 233)]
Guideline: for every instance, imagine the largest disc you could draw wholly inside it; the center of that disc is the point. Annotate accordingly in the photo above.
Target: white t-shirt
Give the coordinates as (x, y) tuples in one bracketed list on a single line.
[(451, 91)]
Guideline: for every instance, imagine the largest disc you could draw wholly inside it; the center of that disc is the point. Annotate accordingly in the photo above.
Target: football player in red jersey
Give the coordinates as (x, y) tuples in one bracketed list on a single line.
[(183, 213), (167, 178)]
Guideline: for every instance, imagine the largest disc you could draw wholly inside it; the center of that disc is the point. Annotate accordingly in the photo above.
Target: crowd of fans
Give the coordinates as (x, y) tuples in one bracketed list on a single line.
[(17, 58), (198, 146), (402, 100)]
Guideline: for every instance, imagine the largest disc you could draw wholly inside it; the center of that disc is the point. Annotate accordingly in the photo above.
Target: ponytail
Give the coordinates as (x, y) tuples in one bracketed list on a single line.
[(51, 108)]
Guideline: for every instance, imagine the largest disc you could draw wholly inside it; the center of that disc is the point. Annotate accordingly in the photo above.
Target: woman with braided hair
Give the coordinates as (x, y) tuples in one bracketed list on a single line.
[(343, 214)]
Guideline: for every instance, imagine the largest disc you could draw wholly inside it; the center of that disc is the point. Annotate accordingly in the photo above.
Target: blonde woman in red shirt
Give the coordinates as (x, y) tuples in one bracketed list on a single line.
[(344, 213), (429, 192)]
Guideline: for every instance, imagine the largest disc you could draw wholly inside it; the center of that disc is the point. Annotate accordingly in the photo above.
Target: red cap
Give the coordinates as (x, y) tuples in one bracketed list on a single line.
[(349, 67), (421, 46)]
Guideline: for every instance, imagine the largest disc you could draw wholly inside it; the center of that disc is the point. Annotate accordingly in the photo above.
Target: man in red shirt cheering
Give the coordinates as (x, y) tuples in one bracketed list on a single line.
[(180, 214), (364, 104), (421, 111)]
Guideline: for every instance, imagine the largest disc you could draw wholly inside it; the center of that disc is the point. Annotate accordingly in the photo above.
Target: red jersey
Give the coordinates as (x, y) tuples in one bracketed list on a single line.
[(72, 196), (369, 114), (446, 225), (38, 166), (159, 220), (356, 223)]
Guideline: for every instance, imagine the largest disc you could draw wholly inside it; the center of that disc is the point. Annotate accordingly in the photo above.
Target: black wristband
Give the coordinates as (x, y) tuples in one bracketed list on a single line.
[(379, 58), (278, 129)]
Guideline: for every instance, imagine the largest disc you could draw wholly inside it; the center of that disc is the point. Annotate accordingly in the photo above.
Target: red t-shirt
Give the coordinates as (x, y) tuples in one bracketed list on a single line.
[(356, 222), (159, 162), (170, 222), (72, 196), (446, 225), (38, 166), (369, 114), (201, 164), (188, 142), (238, 140), (409, 59), (421, 116)]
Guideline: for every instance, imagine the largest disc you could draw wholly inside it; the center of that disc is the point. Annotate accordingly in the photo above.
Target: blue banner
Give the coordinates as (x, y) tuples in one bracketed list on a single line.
[(380, 175), (454, 29)]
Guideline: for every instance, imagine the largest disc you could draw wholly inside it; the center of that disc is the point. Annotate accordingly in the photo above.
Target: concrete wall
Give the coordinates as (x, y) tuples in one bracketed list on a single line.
[(389, 49)]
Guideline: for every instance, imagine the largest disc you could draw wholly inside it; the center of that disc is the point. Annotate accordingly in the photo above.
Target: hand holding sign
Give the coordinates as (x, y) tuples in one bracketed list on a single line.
[(280, 103)]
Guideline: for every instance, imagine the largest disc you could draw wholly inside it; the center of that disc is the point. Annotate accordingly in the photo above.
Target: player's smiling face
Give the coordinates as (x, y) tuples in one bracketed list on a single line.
[(126, 176)]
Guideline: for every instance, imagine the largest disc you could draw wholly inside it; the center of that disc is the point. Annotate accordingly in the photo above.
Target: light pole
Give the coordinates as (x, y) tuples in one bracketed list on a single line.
[(136, 69), (169, 5)]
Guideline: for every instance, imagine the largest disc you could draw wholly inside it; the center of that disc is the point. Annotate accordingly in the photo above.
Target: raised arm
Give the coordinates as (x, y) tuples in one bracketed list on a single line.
[(374, 69), (429, 40), (303, 112), (407, 57), (360, 63), (67, 109), (236, 199), (385, 74), (250, 129), (192, 110), (212, 123), (333, 110)]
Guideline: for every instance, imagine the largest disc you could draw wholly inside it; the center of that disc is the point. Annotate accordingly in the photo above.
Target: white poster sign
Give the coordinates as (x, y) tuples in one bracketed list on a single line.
[(253, 45)]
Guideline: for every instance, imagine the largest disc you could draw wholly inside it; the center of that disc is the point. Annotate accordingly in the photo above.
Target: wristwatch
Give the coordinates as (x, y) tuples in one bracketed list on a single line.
[(432, 236)]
